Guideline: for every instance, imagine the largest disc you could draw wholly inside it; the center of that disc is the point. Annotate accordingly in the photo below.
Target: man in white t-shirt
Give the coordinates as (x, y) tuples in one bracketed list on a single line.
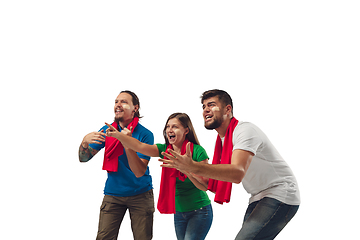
[(252, 160)]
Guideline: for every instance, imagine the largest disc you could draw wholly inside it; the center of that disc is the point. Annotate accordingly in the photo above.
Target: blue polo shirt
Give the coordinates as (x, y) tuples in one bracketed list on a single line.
[(124, 183)]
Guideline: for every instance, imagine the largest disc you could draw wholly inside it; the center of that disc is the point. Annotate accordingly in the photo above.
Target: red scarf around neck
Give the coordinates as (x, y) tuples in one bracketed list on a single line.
[(114, 148), (222, 155), (166, 201)]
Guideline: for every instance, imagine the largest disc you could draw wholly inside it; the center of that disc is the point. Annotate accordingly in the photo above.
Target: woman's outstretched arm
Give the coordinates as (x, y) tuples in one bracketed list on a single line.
[(132, 143)]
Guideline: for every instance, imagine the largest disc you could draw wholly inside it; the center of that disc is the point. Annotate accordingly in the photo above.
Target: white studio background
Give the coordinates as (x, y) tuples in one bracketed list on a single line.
[(292, 68)]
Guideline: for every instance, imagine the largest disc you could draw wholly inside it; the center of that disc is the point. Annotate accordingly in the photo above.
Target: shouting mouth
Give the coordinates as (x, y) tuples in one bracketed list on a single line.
[(208, 117), (171, 136)]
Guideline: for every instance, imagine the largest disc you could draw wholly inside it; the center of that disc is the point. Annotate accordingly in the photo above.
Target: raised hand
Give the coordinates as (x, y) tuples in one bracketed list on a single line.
[(182, 163), (111, 131), (127, 131), (93, 137)]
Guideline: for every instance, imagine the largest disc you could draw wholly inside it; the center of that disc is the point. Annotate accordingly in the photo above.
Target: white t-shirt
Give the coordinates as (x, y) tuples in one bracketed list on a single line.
[(268, 174)]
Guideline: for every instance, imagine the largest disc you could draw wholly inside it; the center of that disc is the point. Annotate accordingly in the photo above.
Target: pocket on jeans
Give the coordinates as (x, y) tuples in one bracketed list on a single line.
[(204, 210), (105, 206), (150, 194)]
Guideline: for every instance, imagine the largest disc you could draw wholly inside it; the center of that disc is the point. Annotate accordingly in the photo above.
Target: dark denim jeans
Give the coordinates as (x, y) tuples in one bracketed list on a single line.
[(265, 219), (193, 225)]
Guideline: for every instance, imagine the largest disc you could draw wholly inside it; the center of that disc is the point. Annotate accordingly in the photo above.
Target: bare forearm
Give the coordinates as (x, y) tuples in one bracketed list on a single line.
[(137, 146), (222, 172), (137, 166), (86, 152), (128, 141), (202, 185)]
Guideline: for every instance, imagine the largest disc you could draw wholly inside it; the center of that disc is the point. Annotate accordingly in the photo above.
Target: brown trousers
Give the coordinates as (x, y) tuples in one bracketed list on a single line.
[(112, 211)]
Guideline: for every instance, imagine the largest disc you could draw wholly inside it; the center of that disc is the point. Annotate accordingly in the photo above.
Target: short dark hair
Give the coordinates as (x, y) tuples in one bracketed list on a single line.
[(223, 97), (135, 101)]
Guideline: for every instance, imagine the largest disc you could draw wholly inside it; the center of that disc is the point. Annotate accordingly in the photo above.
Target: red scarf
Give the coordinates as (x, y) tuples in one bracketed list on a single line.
[(114, 148), (166, 201), (222, 155)]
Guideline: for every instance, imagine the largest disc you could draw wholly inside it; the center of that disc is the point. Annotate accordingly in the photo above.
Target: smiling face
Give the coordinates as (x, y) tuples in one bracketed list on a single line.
[(124, 108), (175, 132), (213, 113)]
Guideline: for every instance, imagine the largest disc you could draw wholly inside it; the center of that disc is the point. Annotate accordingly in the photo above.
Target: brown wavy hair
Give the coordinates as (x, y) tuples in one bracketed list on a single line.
[(185, 121)]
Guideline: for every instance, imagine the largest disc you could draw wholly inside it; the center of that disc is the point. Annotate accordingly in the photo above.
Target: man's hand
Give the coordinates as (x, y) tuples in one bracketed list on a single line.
[(183, 163), (111, 131), (127, 131), (94, 137), (86, 152)]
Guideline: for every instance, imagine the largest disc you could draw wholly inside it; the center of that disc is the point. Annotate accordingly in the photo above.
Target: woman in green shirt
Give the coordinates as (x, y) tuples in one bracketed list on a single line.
[(180, 193)]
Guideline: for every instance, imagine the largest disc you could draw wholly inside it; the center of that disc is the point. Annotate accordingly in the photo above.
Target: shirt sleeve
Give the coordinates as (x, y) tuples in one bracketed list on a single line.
[(199, 153), (161, 148), (245, 137)]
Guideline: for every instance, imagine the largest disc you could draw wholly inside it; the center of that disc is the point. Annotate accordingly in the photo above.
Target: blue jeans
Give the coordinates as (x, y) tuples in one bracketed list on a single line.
[(193, 225), (265, 219)]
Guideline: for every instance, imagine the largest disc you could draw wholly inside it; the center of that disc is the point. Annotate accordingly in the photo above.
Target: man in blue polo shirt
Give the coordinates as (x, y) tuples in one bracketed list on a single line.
[(129, 184)]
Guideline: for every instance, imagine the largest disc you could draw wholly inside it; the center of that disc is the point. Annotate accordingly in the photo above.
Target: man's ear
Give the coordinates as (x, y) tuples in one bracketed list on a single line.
[(228, 109)]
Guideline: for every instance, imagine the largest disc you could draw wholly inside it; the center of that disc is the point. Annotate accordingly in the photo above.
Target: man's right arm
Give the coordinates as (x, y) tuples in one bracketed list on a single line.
[(85, 151), (85, 154)]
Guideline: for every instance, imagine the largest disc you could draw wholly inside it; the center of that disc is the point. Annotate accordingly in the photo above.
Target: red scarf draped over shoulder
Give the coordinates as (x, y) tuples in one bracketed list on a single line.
[(114, 148), (166, 201), (222, 155)]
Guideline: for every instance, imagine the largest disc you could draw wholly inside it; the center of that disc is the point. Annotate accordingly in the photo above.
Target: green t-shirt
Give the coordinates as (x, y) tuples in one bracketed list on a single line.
[(187, 196)]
